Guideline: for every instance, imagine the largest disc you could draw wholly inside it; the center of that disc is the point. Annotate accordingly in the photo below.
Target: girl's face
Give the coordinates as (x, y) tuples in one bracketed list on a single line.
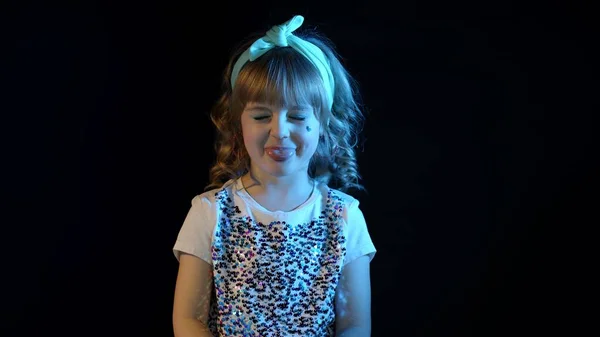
[(280, 140)]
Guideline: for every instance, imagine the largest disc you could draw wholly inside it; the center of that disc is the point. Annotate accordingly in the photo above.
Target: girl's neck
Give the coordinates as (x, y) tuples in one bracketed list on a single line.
[(274, 184), (278, 193)]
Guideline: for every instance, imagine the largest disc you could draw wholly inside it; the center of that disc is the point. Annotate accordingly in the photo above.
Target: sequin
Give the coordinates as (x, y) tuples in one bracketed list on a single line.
[(275, 279)]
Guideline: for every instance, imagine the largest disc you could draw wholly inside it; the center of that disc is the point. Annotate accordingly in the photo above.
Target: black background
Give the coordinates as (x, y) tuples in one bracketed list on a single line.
[(478, 157)]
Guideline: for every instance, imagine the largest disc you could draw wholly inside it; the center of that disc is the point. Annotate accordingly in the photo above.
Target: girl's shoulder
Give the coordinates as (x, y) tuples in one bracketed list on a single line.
[(338, 196), (212, 196)]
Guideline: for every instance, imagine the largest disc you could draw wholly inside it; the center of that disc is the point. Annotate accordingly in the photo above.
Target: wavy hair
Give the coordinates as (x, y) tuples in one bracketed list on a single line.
[(282, 76)]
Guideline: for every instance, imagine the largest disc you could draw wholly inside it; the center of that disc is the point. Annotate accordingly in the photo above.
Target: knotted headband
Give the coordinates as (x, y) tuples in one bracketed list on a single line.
[(281, 36)]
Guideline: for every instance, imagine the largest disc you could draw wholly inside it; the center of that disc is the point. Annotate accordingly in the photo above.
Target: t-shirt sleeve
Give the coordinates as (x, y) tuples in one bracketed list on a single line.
[(358, 239), (195, 235)]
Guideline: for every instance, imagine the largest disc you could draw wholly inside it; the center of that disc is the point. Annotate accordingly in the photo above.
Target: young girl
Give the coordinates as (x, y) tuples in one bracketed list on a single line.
[(270, 249)]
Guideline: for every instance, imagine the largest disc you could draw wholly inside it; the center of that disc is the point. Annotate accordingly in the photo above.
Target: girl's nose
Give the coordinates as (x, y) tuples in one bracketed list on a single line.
[(280, 128)]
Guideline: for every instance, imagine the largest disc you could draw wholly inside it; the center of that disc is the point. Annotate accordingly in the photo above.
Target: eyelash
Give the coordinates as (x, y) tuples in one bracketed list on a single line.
[(260, 118)]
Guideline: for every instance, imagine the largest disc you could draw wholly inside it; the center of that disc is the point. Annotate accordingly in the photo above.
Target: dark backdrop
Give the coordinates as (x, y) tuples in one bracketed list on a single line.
[(477, 157)]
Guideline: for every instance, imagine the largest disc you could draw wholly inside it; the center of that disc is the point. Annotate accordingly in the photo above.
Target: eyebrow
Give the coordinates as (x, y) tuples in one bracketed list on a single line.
[(300, 107), (262, 108), (258, 108)]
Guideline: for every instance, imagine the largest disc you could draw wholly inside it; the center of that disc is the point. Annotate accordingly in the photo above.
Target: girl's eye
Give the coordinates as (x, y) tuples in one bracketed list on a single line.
[(296, 118)]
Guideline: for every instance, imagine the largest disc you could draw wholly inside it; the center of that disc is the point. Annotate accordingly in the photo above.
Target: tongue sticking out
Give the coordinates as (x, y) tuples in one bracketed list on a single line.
[(280, 154)]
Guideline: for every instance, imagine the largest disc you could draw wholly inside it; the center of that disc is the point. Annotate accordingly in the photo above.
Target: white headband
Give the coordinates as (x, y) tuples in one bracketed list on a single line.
[(281, 36)]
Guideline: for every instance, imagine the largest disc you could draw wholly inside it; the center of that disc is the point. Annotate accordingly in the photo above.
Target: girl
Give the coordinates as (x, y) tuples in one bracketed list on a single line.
[(270, 249)]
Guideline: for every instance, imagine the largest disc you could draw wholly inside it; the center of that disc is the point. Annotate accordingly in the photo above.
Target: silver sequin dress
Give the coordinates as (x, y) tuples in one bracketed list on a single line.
[(274, 273)]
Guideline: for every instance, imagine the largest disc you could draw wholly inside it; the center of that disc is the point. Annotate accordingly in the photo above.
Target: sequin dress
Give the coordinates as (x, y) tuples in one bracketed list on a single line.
[(274, 273)]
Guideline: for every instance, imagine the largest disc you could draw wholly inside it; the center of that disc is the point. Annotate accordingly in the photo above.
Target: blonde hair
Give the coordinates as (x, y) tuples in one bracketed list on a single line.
[(283, 76)]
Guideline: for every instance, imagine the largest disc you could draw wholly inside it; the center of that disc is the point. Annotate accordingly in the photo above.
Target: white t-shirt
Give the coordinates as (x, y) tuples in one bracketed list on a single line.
[(274, 272)]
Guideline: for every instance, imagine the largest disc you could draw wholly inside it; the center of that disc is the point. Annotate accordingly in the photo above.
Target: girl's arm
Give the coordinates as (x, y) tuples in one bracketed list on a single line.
[(192, 297), (353, 300)]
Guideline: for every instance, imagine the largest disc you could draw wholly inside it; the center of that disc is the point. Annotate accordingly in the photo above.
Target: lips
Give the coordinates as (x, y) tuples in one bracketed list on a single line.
[(280, 153)]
